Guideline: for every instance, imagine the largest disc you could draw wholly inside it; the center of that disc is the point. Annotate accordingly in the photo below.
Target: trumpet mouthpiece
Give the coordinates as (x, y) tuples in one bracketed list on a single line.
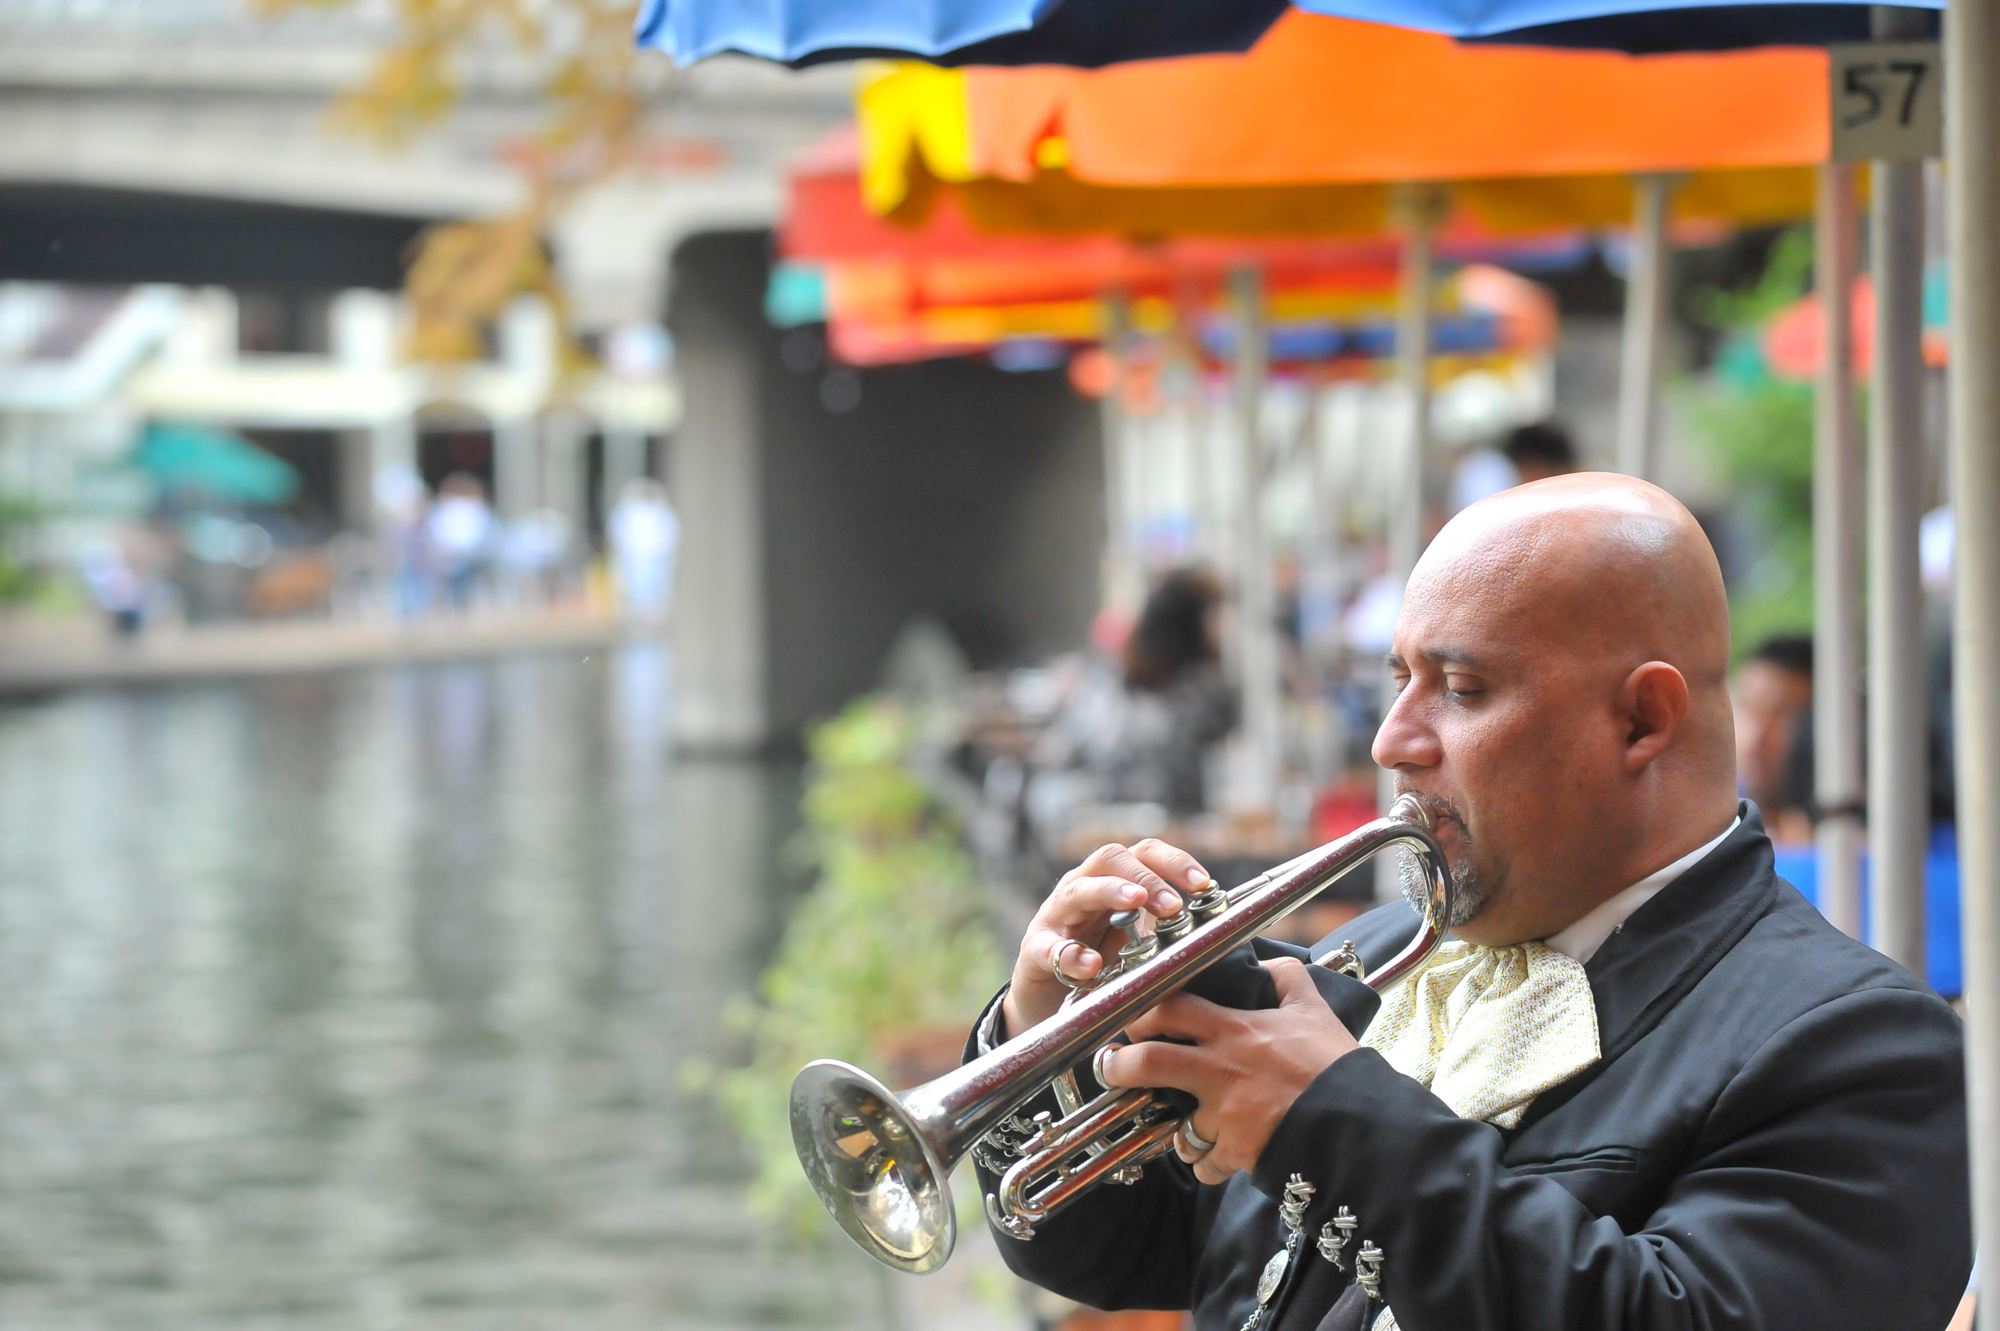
[(1408, 808)]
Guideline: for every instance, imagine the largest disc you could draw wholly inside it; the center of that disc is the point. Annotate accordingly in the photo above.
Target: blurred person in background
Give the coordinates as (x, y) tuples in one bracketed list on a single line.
[(403, 505), (1144, 732), (1540, 451), (114, 584), (534, 548), (1773, 700), (459, 536), (1529, 453), (644, 533)]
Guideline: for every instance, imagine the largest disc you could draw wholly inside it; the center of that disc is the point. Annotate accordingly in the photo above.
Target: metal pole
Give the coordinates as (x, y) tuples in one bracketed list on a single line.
[(1971, 116), (1837, 782), (624, 461), (1419, 207), (1316, 575), (516, 449), (1198, 451), (1257, 630), (1898, 717), (1645, 328), (1120, 572)]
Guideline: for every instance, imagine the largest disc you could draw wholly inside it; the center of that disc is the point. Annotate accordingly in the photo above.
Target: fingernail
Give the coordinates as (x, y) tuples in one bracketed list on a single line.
[(1133, 894), (1170, 900), (1197, 877)]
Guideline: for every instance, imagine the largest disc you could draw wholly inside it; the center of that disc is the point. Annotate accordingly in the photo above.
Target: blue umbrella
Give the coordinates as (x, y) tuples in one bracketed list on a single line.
[(789, 29), (1092, 33), (1082, 33), (1707, 28), (1650, 25)]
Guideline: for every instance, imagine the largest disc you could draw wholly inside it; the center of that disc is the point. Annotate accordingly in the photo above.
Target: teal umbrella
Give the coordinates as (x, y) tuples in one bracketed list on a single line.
[(213, 463)]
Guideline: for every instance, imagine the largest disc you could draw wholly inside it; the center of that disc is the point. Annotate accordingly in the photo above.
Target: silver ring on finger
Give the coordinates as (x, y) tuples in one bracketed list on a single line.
[(1196, 1143), (1055, 963)]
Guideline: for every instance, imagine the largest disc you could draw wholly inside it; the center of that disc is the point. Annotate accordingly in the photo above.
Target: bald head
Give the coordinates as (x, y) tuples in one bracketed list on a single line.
[(1607, 567), (1562, 657)]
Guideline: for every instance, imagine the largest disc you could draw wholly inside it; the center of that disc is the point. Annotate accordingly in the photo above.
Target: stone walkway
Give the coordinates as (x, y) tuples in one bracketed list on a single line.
[(38, 654)]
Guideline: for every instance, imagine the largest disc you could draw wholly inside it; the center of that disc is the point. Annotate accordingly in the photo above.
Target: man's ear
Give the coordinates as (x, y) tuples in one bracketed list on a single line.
[(1653, 701)]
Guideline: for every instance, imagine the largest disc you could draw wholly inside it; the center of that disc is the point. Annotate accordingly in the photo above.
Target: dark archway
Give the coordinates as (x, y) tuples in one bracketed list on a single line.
[(113, 237), (948, 490)]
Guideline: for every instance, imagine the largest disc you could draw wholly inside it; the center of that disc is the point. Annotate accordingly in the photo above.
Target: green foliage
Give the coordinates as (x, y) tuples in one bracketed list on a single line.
[(1787, 276), (895, 936), (1758, 433), (18, 581)]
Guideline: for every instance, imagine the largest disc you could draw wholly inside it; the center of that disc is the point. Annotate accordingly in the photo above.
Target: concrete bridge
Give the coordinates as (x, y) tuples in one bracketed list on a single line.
[(186, 143)]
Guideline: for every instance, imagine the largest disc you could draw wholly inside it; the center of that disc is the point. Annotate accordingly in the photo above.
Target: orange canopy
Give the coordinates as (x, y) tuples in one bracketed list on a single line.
[(948, 260), (894, 292), (1306, 130), (1323, 100)]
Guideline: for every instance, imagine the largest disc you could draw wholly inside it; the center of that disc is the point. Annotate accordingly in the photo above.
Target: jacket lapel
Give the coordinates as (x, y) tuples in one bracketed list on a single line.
[(1672, 941), (1669, 944)]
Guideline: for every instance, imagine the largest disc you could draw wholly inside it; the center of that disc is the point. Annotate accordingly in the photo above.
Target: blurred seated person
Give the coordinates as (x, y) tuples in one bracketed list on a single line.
[(1773, 702), (1143, 732), (460, 533), (643, 534), (1529, 453), (1540, 451)]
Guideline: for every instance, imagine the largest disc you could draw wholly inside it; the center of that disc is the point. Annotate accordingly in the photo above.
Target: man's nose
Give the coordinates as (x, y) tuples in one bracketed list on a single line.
[(1405, 742)]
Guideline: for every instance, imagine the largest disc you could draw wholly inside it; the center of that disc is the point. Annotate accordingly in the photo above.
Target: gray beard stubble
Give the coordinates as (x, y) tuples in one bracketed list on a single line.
[(1469, 891)]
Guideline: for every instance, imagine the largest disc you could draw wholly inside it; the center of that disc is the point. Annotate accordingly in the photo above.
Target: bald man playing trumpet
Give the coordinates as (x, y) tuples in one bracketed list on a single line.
[(1644, 1084)]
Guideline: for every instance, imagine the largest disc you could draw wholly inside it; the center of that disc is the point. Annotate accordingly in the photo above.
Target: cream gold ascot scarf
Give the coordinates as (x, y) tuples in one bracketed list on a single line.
[(1489, 1028)]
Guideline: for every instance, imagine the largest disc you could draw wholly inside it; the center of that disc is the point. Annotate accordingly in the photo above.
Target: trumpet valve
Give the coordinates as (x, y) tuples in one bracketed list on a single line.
[(1139, 949), (1141, 941), (1205, 906)]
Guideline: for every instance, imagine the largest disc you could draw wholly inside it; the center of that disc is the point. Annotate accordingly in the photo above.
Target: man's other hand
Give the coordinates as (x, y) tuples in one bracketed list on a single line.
[(1245, 1067)]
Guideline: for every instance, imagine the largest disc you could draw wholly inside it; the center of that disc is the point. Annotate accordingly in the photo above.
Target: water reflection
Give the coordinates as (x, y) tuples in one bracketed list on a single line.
[(361, 1000)]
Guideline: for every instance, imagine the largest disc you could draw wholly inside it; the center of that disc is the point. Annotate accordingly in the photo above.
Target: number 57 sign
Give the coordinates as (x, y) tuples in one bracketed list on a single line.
[(1888, 101)]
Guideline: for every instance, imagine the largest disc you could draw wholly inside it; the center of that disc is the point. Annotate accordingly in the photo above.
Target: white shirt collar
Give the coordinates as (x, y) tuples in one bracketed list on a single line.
[(1581, 940)]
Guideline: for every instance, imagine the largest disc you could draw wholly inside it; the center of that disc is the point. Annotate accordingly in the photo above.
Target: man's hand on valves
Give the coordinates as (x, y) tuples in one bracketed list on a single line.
[(1072, 931), (1245, 1067)]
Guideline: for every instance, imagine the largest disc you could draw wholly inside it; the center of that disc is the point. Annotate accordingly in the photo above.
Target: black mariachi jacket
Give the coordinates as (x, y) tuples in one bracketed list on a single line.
[(1774, 1138)]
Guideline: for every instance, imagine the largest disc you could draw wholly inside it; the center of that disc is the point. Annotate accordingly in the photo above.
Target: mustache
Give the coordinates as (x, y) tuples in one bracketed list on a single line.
[(1440, 810)]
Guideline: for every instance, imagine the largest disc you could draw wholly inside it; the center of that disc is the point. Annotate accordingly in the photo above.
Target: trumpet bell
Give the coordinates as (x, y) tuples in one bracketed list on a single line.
[(874, 1170)]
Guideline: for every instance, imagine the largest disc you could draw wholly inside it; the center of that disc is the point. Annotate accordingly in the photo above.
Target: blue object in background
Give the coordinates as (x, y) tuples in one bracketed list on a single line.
[(784, 30), (1670, 29), (1529, 22), (192, 460), (1081, 33), (1088, 34), (1799, 866), (796, 294)]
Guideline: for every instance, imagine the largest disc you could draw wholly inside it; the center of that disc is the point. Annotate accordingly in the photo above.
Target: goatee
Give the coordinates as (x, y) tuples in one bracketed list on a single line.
[(1469, 890)]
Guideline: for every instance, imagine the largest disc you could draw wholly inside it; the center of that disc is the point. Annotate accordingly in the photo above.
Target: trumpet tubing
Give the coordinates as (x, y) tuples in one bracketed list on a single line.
[(881, 1163)]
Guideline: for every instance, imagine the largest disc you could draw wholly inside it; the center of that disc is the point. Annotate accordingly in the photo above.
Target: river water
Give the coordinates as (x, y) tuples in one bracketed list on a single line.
[(362, 1000)]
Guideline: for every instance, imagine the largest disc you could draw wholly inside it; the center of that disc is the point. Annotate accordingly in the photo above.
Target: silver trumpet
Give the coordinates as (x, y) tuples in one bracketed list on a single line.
[(882, 1163)]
